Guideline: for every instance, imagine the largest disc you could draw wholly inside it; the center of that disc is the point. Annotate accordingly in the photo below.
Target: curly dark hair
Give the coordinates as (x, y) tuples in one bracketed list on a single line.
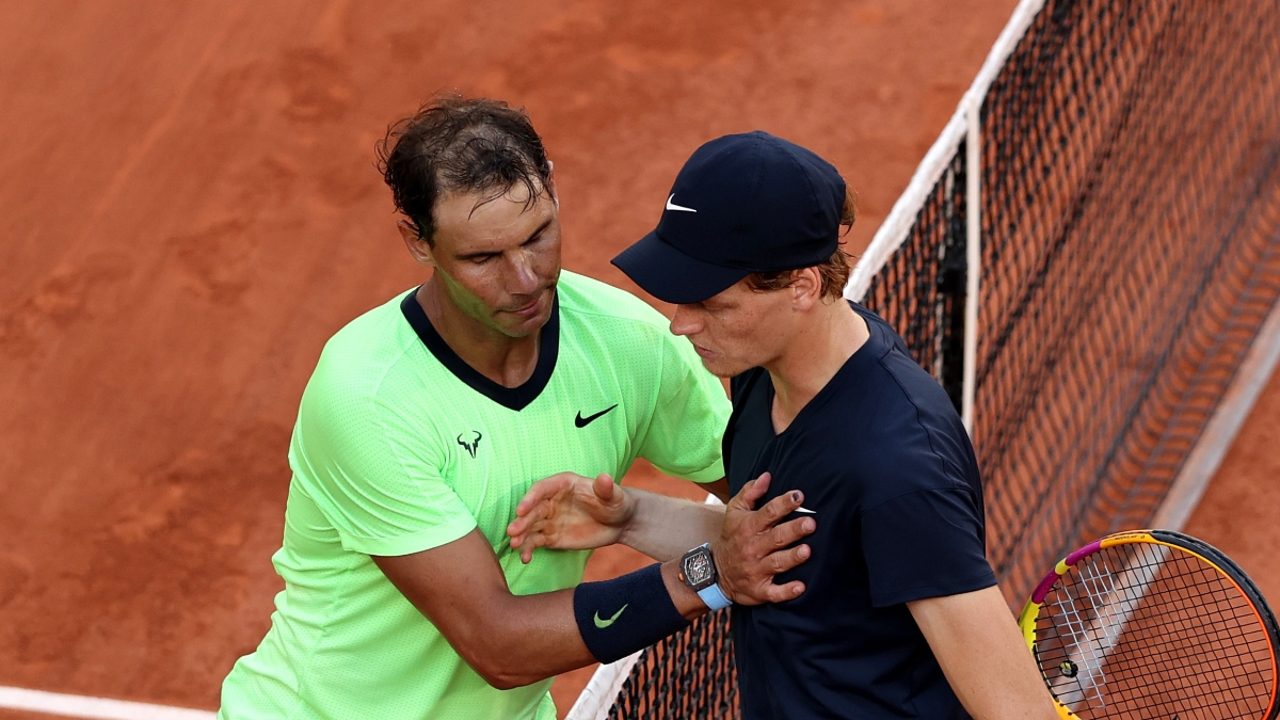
[(458, 144)]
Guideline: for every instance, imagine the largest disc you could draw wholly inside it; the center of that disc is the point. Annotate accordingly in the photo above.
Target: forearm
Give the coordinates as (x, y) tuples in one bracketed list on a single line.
[(977, 644), (1009, 687), (526, 639), (538, 636), (512, 640), (664, 527)]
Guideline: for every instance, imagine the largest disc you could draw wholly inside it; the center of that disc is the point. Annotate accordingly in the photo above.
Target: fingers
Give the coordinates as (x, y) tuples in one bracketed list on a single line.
[(784, 560), (785, 592), (527, 518), (786, 534), (539, 501), (545, 489), (527, 542), (761, 588), (517, 528), (526, 555), (756, 546), (526, 531), (780, 507), (751, 492)]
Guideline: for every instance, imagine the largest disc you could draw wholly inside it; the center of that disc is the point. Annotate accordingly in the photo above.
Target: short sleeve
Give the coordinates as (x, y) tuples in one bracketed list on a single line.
[(927, 543), (374, 479), (689, 418)]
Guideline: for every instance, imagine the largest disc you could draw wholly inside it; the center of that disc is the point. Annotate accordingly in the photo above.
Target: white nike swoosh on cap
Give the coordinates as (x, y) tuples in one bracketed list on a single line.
[(673, 206), (806, 510)]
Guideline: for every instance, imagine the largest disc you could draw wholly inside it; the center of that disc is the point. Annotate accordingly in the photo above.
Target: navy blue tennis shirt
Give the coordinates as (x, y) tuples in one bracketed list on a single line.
[(888, 472)]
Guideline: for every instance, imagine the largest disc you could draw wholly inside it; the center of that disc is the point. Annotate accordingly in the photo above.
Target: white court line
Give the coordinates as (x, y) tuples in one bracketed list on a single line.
[(83, 706), (1260, 361)]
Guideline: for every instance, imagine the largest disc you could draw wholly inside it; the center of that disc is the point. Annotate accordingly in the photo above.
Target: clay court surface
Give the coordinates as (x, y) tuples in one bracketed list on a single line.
[(189, 209)]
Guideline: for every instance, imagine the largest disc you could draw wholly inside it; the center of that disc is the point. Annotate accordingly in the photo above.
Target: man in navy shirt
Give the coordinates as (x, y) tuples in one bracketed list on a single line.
[(896, 613)]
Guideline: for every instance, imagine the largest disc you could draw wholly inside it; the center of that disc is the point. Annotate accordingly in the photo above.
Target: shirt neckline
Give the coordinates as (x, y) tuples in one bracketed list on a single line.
[(514, 398), (864, 354)]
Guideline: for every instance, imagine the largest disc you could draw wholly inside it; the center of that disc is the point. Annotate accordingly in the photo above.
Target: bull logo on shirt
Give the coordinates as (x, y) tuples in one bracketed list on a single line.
[(472, 444)]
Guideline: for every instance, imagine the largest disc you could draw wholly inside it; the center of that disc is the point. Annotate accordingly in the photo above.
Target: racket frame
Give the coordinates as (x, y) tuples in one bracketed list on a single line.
[(1178, 541)]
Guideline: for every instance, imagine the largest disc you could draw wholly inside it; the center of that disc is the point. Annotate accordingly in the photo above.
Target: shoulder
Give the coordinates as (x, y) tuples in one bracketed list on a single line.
[(587, 297), (900, 424), (902, 377), (367, 364), (374, 339), (614, 327), (882, 332)]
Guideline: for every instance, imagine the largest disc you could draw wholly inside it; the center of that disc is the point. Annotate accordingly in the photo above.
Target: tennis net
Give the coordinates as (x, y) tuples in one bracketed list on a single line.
[(1089, 261)]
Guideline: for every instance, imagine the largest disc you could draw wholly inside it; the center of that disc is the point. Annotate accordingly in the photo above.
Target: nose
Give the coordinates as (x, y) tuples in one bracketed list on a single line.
[(523, 277), (683, 321)]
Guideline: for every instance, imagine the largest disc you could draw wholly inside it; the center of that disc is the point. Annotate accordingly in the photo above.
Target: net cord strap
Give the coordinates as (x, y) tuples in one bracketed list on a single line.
[(973, 258), (893, 231)]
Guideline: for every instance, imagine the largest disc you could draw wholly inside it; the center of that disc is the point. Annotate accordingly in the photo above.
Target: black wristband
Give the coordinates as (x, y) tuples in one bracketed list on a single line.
[(620, 616)]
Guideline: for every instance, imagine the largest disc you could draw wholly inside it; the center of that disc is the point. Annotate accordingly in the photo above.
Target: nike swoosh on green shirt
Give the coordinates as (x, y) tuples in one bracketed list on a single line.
[(602, 624)]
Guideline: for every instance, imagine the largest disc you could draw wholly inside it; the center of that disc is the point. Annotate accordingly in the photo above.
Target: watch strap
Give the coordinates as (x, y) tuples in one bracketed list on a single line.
[(714, 597)]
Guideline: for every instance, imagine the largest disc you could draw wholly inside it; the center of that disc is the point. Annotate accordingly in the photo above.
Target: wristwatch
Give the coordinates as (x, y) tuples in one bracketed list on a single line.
[(698, 571)]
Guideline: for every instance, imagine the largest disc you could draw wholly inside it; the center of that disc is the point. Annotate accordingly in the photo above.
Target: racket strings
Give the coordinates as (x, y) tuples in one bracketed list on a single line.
[(1158, 653), (1147, 631), (1098, 589)]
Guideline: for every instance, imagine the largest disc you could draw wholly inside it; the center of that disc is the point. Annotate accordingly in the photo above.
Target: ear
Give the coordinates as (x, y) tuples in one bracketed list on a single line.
[(551, 182), (806, 289), (418, 247)]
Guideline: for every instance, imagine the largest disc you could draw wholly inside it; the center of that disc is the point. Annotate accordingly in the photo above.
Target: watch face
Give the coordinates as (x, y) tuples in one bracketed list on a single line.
[(699, 571)]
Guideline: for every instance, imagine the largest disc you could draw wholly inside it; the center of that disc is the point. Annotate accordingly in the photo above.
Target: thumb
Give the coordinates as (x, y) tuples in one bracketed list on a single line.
[(753, 491), (604, 487)]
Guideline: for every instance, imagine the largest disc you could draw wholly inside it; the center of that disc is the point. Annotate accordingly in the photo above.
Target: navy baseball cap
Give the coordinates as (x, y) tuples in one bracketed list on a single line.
[(741, 204)]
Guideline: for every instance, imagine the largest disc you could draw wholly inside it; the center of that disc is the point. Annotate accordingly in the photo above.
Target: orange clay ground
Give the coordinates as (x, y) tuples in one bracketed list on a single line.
[(190, 209)]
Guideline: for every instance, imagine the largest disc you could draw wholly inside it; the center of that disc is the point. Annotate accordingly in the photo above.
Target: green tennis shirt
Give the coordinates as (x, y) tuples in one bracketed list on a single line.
[(401, 447)]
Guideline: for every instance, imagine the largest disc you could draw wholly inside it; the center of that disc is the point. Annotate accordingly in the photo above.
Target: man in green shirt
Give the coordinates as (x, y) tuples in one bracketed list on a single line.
[(430, 416)]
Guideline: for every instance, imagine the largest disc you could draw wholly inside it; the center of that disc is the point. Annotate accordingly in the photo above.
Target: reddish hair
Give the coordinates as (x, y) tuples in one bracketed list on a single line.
[(834, 271)]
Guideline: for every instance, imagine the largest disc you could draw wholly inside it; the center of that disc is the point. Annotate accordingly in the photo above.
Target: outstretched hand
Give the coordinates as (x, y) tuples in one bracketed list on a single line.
[(570, 512), (755, 546)]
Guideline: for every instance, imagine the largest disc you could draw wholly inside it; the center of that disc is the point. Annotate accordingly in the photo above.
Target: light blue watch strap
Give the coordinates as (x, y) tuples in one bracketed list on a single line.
[(714, 597)]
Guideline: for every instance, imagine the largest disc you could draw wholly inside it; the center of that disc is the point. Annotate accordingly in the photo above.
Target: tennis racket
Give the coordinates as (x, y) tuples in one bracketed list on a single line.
[(1153, 625)]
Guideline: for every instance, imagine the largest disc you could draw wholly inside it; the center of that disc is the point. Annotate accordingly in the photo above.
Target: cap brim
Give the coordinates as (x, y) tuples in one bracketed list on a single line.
[(671, 275)]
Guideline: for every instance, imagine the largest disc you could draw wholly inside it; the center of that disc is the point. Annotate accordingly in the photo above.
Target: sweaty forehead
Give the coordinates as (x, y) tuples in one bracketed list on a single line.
[(470, 202), (479, 216)]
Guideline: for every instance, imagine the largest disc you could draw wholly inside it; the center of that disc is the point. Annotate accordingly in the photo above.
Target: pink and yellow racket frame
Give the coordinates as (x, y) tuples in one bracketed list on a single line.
[(1182, 543)]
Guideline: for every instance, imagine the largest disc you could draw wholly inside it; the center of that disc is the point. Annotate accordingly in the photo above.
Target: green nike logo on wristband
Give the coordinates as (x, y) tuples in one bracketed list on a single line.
[(602, 624)]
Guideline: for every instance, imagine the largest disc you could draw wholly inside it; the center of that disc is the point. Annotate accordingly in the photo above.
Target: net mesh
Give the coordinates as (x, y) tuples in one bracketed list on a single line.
[(1130, 228), (1130, 253), (921, 292)]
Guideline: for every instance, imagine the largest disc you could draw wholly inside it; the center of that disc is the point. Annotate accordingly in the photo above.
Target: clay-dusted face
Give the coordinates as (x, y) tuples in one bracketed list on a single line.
[(498, 260)]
